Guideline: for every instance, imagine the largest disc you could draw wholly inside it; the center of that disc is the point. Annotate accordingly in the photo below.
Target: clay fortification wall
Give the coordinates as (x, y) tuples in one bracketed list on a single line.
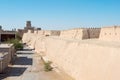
[(74, 34), (48, 32), (81, 59), (110, 33), (30, 37), (81, 33), (93, 32)]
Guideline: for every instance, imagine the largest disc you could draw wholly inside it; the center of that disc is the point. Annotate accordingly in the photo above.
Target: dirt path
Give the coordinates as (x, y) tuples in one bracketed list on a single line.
[(29, 66)]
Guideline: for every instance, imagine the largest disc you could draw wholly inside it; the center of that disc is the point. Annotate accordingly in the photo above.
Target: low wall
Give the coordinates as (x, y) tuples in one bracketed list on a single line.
[(10, 49), (3, 61)]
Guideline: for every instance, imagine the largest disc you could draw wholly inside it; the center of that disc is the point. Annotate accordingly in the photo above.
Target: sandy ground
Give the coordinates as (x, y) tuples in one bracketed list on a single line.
[(29, 66)]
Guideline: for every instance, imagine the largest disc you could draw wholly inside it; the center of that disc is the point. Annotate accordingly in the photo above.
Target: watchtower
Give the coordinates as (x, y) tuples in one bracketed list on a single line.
[(28, 24)]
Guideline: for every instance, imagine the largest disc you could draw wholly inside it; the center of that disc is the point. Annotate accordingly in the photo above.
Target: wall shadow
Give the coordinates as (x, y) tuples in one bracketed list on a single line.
[(16, 71), (23, 61), (24, 52), (12, 72), (20, 65)]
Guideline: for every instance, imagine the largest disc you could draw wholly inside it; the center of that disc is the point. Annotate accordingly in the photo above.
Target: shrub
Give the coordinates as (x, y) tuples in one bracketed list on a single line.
[(47, 66), (18, 36), (18, 46), (16, 43)]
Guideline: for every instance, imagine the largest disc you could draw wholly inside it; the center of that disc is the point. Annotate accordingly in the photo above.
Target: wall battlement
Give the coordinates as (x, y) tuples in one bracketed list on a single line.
[(105, 33)]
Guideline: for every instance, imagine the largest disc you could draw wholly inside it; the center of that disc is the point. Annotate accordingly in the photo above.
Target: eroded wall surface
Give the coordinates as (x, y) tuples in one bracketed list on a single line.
[(81, 59), (84, 60)]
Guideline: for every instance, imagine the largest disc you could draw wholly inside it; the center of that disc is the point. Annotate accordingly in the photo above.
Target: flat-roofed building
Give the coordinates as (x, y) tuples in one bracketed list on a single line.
[(6, 35)]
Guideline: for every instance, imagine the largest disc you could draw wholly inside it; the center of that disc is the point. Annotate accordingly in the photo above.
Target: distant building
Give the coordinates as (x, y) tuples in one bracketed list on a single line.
[(28, 27), (5, 35)]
